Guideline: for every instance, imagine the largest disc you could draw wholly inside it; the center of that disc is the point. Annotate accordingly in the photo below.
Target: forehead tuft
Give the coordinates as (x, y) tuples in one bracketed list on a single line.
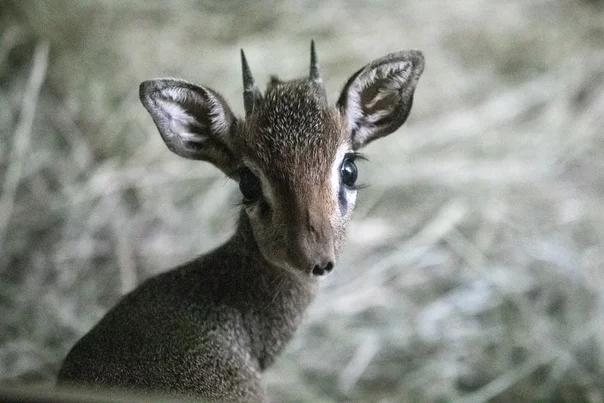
[(293, 132)]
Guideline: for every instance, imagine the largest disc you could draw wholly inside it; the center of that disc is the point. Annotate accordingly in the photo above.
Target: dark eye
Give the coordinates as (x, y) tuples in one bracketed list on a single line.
[(249, 184), (348, 172)]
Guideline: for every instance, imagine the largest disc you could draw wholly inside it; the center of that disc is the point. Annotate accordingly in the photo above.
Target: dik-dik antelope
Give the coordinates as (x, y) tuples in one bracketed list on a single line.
[(210, 327)]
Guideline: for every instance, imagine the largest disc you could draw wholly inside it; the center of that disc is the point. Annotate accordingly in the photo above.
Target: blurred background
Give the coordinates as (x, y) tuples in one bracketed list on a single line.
[(475, 262)]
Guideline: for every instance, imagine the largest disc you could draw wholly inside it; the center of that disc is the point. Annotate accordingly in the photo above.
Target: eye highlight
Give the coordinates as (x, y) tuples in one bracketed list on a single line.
[(249, 185), (348, 171)]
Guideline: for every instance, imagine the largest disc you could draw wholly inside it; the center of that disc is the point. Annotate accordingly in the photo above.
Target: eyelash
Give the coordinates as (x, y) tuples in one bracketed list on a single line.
[(354, 156)]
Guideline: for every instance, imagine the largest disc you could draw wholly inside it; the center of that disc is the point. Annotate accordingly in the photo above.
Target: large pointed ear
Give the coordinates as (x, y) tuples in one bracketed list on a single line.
[(194, 122), (377, 99)]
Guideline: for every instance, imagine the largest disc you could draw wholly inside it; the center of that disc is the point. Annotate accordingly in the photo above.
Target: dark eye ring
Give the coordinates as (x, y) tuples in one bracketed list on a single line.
[(249, 185), (348, 172)]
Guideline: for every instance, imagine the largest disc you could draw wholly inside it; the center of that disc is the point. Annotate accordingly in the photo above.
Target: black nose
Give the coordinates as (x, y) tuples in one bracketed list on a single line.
[(322, 270)]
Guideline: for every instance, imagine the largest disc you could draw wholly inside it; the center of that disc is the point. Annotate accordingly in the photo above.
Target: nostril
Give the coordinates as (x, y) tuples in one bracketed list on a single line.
[(318, 271), (322, 270)]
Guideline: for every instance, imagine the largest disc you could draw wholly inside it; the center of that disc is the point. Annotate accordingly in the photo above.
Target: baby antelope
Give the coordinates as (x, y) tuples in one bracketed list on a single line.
[(210, 327)]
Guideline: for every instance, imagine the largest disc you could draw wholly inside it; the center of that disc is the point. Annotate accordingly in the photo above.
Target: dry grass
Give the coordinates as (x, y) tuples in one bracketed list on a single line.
[(476, 257)]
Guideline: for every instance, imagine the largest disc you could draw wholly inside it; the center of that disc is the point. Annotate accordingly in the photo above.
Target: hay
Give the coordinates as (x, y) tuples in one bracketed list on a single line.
[(473, 270)]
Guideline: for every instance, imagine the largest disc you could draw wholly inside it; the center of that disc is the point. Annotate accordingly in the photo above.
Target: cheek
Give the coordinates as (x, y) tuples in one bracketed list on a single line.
[(262, 221), (340, 221), (259, 226), (268, 237), (346, 200)]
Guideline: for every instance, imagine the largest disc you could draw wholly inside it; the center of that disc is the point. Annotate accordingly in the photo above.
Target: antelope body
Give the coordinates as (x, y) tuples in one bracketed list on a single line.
[(210, 327)]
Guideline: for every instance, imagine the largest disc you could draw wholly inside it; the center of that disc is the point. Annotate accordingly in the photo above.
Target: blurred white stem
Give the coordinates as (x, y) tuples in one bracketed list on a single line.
[(22, 135), (359, 363), (505, 381)]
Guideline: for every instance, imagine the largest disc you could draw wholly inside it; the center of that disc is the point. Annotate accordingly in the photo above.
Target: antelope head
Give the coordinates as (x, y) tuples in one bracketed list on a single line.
[(293, 154)]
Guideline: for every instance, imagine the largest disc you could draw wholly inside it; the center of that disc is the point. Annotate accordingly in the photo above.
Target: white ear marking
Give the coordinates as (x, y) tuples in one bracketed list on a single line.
[(397, 73), (194, 121), (181, 120), (217, 116), (377, 99)]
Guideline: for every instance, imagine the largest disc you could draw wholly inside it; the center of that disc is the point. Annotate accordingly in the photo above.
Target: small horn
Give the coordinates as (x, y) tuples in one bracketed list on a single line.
[(251, 94), (314, 67), (315, 75)]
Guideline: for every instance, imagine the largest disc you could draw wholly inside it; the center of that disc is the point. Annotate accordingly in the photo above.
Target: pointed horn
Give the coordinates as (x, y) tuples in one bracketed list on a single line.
[(251, 94), (315, 75), (314, 67)]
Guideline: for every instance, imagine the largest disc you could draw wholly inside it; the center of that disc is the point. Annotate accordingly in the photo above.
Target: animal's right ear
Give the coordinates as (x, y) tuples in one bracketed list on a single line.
[(195, 122)]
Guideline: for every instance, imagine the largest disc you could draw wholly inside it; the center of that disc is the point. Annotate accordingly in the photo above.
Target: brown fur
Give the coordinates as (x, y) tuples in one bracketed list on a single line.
[(202, 329), (292, 139)]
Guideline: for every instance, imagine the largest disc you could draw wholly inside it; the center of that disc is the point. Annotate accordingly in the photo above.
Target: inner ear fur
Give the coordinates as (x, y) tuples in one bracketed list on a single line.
[(194, 121), (377, 99)]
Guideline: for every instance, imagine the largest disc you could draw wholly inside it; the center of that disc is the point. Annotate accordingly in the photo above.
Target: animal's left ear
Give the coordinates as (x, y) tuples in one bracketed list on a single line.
[(377, 99)]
